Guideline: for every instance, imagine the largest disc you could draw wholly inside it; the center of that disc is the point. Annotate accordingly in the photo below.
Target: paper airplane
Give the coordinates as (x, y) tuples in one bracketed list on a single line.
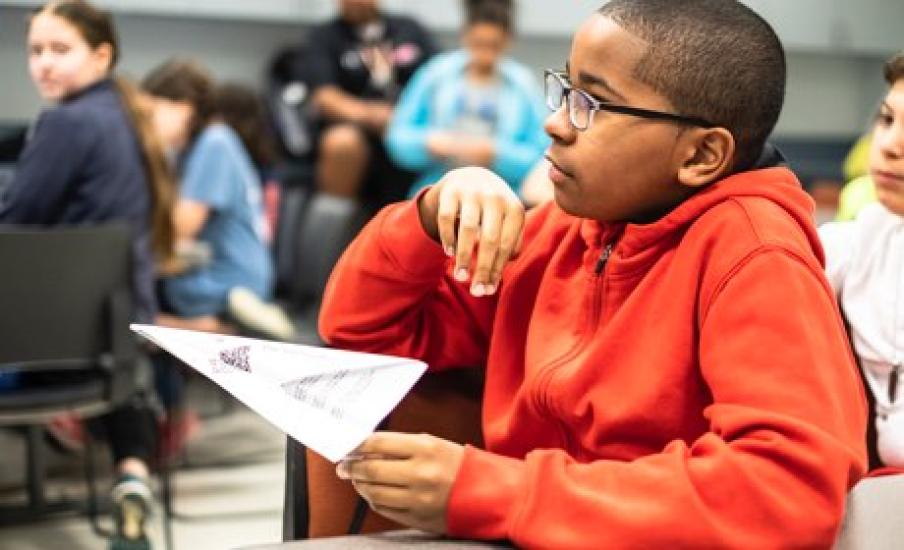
[(328, 400)]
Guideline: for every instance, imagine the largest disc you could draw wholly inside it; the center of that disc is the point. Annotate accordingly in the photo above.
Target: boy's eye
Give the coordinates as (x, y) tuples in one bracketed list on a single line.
[(884, 118), (59, 49)]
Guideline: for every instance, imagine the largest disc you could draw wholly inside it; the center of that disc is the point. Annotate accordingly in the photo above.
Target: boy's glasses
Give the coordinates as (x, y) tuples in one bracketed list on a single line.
[(582, 106)]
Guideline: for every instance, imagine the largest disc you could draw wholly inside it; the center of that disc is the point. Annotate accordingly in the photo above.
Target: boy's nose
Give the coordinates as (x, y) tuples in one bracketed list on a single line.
[(558, 126)]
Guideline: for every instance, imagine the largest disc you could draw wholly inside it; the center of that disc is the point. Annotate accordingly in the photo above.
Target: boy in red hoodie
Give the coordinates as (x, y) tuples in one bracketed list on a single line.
[(665, 361)]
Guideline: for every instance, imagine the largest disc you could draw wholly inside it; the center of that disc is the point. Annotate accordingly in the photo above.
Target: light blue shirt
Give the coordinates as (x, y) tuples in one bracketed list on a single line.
[(219, 173), (432, 101)]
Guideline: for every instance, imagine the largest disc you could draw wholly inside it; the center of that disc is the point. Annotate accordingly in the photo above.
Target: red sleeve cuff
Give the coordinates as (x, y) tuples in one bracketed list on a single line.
[(484, 498)]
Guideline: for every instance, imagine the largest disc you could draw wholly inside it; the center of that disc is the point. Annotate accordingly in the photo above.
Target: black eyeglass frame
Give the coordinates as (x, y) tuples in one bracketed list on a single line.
[(597, 105)]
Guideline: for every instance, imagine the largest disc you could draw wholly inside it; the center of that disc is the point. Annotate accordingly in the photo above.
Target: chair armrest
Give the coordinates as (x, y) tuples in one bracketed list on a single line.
[(295, 507)]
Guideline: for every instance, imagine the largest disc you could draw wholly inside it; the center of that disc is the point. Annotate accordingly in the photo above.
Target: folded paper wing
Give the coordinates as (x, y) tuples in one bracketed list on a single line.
[(329, 400)]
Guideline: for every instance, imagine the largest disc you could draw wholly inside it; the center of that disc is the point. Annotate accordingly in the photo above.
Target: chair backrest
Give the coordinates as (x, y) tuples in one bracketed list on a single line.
[(64, 294), (12, 141), (292, 203), (328, 225)]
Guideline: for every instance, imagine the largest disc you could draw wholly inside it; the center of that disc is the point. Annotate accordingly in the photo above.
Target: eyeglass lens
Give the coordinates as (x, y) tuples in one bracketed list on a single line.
[(555, 92), (578, 105)]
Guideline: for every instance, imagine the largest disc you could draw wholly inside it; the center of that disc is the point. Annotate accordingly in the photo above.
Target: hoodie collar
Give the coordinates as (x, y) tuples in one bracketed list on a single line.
[(777, 184)]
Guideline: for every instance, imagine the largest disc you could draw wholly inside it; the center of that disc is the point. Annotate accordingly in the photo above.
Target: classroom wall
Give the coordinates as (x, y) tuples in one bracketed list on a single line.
[(832, 90)]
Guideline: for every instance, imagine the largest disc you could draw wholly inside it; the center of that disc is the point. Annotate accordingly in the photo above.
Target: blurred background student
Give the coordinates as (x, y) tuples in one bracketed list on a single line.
[(864, 265), (356, 66), (472, 106), (220, 204), (226, 270), (242, 108), (93, 159)]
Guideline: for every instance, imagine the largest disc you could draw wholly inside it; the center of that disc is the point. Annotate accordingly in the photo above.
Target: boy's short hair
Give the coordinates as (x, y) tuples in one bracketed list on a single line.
[(894, 68), (713, 59)]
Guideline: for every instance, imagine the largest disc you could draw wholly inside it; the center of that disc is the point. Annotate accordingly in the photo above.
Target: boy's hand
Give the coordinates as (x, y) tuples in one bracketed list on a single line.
[(486, 213), (405, 477)]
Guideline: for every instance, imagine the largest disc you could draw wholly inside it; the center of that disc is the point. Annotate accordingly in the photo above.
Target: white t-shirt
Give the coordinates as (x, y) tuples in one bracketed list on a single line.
[(865, 265)]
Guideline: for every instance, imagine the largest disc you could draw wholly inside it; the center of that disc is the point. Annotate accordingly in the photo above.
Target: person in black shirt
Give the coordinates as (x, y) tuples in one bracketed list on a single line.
[(356, 66)]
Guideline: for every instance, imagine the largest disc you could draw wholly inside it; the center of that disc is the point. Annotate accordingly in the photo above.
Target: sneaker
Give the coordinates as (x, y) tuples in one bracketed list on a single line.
[(259, 315), (67, 431), (132, 502)]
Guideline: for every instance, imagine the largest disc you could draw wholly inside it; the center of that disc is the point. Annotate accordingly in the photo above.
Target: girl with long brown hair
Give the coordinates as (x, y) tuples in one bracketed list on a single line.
[(93, 159)]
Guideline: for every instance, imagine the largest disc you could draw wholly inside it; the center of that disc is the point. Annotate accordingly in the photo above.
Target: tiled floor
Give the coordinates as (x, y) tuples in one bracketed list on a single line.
[(228, 494)]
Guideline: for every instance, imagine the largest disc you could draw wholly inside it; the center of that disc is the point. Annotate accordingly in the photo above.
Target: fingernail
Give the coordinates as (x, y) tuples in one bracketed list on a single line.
[(478, 290), (461, 274), (491, 289), (450, 251), (342, 470)]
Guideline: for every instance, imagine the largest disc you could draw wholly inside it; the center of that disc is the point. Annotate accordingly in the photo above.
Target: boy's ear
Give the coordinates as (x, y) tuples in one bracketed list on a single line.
[(709, 155)]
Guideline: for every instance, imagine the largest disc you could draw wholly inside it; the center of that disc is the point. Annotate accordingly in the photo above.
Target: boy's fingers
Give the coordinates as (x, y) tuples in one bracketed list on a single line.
[(468, 226), (447, 214), (512, 227), (394, 472), (390, 444), (490, 228)]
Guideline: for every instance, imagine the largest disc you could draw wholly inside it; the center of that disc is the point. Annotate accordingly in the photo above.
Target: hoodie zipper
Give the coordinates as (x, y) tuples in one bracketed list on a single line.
[(893, 383), (596, 307), (601, 262)]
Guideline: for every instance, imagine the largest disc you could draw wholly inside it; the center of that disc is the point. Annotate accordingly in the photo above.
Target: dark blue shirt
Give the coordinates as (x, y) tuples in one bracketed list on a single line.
[(83, 166)]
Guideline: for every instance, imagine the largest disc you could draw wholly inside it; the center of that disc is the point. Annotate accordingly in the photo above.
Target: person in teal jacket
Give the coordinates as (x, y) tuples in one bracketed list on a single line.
[(472, 106)]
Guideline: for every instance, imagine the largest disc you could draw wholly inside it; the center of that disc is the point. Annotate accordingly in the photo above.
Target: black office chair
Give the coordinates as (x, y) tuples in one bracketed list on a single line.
[(65, 306), (327, 226), (292, 202)]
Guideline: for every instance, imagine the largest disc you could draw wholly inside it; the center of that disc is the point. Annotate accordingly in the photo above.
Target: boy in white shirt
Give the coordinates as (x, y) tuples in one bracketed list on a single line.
[(865, 265)]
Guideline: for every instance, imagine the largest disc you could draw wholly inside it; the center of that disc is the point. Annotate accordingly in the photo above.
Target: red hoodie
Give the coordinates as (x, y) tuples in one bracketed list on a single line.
[(686, 383)]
